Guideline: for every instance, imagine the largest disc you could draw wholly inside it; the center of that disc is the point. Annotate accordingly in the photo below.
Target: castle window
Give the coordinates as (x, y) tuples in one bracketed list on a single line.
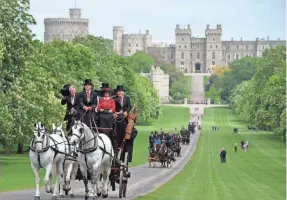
[(228, 57), (213, 55), (213, 62), (216, 46), (182, 55), (263, 47), (182, 63), (211, 46), (237, 47), (237, 56), (197, 55), (182, 39), (129, 51), (137, 45), (184, 46), (179, 46), (213, 39), (129, 45), (191, 56)]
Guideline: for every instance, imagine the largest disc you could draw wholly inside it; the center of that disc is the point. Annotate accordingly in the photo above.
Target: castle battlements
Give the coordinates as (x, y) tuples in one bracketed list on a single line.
[(66, 28)]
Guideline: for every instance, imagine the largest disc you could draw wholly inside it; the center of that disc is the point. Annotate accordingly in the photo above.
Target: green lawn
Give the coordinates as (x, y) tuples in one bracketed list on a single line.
[(258, 174), (18, 166)]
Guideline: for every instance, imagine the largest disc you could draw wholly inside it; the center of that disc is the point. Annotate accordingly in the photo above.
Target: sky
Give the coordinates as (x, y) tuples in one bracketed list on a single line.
[(246, 19)]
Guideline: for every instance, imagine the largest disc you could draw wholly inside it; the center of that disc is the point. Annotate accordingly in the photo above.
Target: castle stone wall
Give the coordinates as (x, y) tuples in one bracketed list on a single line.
[(195, 55), (66, 28)]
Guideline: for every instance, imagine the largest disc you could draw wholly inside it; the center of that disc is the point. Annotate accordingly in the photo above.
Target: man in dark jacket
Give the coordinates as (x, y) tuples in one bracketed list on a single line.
[(223, 155), (88, 104), (72, 102), (123, 107)]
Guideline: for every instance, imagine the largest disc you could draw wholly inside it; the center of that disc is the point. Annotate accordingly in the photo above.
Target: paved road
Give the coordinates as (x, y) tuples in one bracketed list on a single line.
[(197, 88), (143, 179)]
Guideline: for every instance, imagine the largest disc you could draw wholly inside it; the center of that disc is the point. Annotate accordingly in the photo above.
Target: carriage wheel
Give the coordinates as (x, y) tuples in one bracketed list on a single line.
[(123, 183)]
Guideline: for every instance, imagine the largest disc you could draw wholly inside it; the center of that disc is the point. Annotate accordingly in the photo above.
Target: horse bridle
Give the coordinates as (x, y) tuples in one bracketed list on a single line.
[(41, 142), (81, 130)]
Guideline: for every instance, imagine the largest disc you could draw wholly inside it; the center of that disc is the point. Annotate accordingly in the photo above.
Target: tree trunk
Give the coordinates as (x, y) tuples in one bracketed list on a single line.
[(20, 148)]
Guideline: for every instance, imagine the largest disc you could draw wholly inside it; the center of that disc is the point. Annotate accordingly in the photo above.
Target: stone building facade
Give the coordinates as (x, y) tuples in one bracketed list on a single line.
[(160, 82), (191, 54), (66, 28)]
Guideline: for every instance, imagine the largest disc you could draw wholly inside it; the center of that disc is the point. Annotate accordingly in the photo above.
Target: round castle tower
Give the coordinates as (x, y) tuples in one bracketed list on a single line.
[(66, 28)]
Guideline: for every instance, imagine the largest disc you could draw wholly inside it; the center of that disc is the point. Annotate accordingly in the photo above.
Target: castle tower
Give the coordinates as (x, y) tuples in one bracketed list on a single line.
[(66, 28), (213, 48), (182, 48), (118, 32), (147, 40)]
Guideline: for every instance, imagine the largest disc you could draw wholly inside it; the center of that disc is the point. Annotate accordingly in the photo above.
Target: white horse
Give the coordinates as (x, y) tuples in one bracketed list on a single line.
[(70, 164), (95, 154), (47, 151)]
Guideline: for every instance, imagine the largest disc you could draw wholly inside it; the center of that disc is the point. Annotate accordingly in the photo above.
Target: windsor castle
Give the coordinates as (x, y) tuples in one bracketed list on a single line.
[(190, 54)]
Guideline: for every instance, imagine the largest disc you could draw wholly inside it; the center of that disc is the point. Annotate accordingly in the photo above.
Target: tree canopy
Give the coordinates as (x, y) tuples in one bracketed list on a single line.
[(32, 73), (256, 89)]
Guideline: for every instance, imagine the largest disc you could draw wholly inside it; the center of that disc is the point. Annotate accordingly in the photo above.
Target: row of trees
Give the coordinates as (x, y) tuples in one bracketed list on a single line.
[(32, 73), (256, 89), (179, 84)]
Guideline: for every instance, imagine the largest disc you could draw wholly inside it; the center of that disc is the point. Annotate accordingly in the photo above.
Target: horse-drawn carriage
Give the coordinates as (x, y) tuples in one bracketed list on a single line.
[(159, 152), (185, 137), (191, 127), (175, 145)]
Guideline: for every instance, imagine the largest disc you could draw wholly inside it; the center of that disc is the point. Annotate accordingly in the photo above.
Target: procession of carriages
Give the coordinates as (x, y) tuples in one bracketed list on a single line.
[(164, 147), (97, 147)]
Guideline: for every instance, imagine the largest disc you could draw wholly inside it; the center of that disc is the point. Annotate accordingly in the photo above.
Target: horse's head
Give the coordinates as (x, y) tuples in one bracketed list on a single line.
[(78, 130), (58, 130), (39, 137)]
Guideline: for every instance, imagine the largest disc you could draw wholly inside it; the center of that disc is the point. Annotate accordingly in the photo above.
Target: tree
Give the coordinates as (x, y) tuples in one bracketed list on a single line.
[(16, 39), (141, 62)]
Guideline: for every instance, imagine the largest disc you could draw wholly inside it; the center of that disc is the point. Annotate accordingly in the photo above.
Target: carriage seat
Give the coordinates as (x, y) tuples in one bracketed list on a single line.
[(105, 130)]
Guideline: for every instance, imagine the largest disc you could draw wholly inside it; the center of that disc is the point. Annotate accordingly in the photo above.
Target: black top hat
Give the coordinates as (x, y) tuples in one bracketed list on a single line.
[(120, 88), (65, 91), (88, 82), (105, 87)]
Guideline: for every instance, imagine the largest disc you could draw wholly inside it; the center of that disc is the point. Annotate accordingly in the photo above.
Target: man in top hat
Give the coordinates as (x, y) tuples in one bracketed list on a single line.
[(106, 107), (71, 99), (123, 107), (88, 104)]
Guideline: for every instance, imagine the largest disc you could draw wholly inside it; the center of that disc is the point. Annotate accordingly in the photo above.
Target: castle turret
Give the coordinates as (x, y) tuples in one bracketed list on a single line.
[(147, 41), (182, 48), (66, 28), (118, 32), (213, 48)]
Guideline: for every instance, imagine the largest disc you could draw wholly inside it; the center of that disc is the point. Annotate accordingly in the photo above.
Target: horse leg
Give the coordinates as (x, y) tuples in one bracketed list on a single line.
[(83, 170), (95, 176), (59, 180), (73, 179), (106, 174), (67, 181), (37, 181), (48, 178)]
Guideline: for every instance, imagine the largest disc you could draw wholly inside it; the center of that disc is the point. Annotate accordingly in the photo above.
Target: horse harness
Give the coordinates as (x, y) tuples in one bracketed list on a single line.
[(56, 149), (94, 148)]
